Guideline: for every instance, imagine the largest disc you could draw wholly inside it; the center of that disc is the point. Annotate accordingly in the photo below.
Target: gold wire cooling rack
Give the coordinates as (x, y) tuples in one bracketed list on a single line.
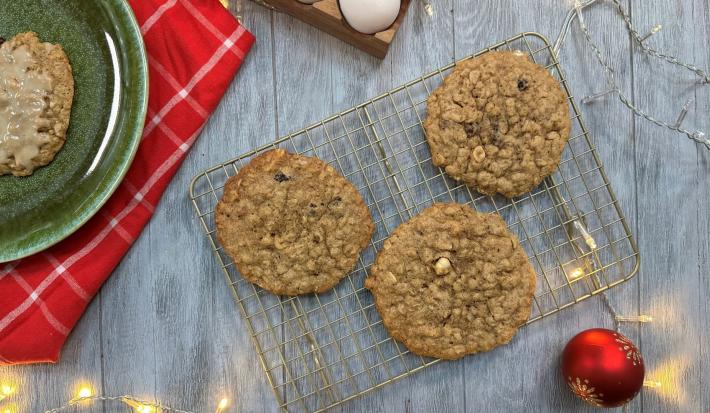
[(323, 349)]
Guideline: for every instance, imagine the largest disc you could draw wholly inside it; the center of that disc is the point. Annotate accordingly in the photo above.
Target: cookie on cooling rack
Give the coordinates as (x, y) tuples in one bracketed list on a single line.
[(499, 123), (451, 282), (292, 224)]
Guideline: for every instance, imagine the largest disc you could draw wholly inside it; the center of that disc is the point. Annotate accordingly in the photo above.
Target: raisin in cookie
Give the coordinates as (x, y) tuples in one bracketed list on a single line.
[(499, 123), (452, 282), (36, 93), (292, 224)]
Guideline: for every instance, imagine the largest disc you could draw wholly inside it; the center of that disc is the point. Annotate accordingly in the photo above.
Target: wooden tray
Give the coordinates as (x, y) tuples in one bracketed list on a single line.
[(325, 15)]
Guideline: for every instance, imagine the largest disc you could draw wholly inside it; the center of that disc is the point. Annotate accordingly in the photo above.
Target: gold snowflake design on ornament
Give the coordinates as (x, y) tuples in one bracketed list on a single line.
[(588, 393), (626, 346)]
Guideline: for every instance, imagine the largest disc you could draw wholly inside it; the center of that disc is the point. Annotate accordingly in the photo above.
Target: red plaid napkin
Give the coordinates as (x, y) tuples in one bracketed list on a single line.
[(194, 49)]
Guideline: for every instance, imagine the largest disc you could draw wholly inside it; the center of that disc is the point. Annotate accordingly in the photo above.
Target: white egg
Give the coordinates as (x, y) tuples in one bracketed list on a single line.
[(308, 1), (370, 16)]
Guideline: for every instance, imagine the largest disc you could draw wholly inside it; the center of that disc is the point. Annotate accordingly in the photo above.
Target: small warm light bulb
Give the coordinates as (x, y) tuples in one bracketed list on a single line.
[(429, 9), (6, 391), (576, 273), (139, 407), (588, 238), (653, 384), (653, 31), (596, 96), (84, 392), (222, 405), (643, 318)]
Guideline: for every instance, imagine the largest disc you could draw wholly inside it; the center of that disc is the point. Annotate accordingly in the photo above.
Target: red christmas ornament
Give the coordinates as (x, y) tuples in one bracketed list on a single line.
[(603, 367)]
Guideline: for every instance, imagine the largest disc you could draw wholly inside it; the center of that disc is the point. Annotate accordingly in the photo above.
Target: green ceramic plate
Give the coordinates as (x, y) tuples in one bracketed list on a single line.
[(105, 48)]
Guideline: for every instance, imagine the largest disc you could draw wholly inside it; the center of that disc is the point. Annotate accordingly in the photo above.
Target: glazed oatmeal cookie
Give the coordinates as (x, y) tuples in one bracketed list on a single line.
[(36, 94)]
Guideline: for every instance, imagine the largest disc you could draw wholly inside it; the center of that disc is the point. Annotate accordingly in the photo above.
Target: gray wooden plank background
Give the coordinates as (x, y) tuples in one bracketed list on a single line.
[(165, 326)]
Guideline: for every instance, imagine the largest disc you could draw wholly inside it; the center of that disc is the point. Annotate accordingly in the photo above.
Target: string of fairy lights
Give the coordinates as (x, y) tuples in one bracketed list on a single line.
[(639, 41), (589, 245), (85, 398)]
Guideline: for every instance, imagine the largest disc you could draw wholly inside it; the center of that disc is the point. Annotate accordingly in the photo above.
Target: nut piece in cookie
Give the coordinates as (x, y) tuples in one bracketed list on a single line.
[(499, 123), (292, 224), (36, 93), (451, 282)]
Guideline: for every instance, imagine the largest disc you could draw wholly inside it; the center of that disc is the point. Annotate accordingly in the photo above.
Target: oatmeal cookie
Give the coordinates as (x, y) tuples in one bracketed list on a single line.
[(292, 224), (36, 94), (452, 282), (499, 123)]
